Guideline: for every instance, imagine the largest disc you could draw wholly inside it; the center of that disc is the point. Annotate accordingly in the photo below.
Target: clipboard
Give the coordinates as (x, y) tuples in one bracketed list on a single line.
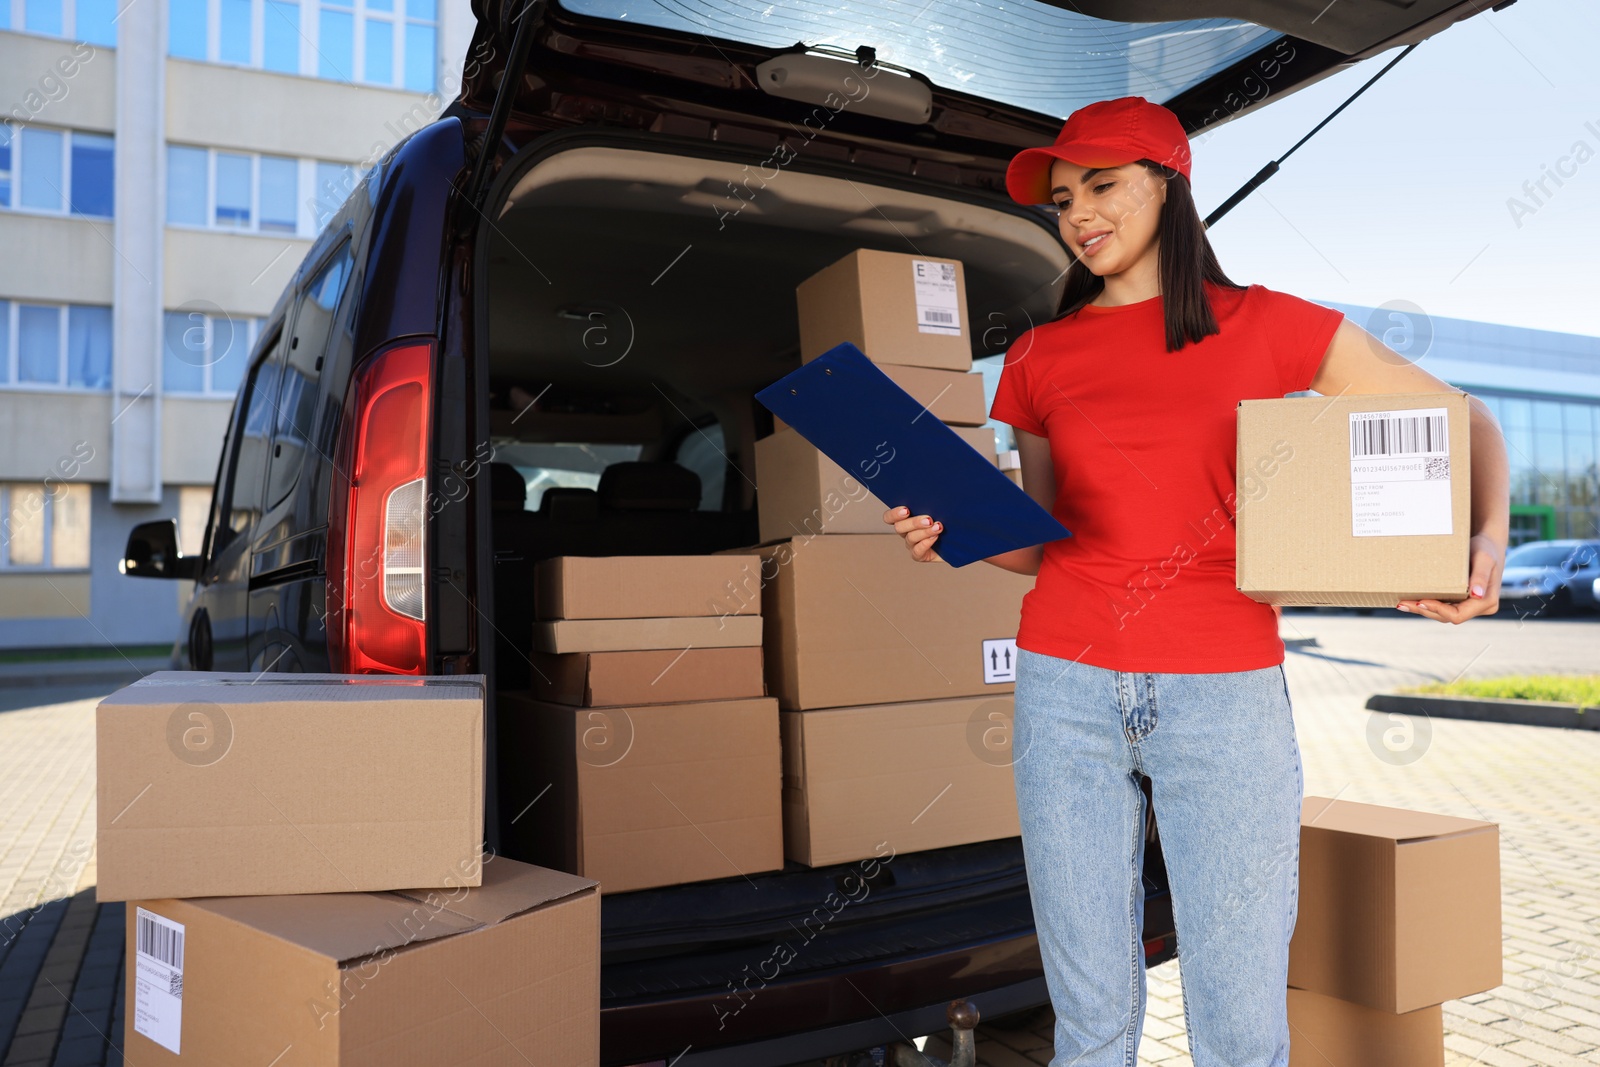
[(859, 418)]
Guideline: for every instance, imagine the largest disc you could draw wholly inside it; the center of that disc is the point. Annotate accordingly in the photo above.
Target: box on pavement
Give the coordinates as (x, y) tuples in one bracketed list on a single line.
[(631, 587), (644, 795), (502, 971), (648, 676), (1359, 501), (909, 776), (1398, 909), (897, 308), (1327, 1032), (800, 491), (853, 619), (951, 396), (217, 784)]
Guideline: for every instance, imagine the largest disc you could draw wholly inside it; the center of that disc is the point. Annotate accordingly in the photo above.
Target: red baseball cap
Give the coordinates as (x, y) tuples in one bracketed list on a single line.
[(1108, 133)]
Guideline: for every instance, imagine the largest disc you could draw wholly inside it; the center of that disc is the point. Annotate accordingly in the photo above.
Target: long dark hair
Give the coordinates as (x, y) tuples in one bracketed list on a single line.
[(1184, 261)]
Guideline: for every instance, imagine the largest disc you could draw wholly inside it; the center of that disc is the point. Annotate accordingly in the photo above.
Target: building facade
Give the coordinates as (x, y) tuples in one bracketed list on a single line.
[(1543, 387), (164, 167)]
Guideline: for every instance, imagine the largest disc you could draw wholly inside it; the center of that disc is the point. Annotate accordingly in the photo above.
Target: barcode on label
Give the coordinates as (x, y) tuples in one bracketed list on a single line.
[(934, 315), (175, 984), (1397, 435), (160, 942)]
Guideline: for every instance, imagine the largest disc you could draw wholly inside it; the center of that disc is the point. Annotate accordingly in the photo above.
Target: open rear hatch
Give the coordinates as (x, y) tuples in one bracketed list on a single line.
[(664, 174)]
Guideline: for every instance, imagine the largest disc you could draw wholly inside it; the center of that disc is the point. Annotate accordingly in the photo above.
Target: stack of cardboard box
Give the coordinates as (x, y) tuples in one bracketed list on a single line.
[(895, 677), (302, 857), (1399, 911), (647, 751)]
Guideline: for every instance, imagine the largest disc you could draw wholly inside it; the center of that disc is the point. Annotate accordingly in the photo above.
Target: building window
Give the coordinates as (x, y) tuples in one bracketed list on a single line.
[(82, 20), (46, 526), (393, 43), (1553, 448), (205, 355), (253, 193), (55, 171), (54, 346)]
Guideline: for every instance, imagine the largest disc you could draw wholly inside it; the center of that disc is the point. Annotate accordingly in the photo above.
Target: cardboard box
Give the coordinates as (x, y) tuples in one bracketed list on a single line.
[(618, 635), (649, 676), (897, 308), (630, 587), (215, 784), (1326, 1032), (1010, 461), (801, 491), (953, 397), (920, 775), (853, 619), (1354, 500), (645, 795), (506, 971), (1398, 909)]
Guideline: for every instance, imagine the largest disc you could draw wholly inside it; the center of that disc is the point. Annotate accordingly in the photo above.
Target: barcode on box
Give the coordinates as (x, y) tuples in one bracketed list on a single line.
[(160, 941), (933, 315), (1385, 433)]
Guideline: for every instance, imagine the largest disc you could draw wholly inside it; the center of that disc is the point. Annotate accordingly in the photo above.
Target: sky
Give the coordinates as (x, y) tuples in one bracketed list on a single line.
[(1404, 196)]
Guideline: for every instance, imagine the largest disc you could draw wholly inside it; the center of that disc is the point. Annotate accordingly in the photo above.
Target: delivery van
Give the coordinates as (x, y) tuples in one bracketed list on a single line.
[(535, 328)]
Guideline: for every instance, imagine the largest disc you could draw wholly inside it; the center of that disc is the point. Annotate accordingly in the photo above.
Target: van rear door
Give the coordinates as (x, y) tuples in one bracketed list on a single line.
[(965, 83)]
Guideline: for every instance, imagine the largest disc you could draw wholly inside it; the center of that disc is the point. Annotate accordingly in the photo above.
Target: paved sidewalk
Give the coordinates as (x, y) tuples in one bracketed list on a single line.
[(61, 955), (1542, 785)]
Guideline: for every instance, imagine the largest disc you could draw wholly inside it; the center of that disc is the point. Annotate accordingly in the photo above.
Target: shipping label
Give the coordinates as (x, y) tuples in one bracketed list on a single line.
[(938, 302), (158, 979), (1399, 473)]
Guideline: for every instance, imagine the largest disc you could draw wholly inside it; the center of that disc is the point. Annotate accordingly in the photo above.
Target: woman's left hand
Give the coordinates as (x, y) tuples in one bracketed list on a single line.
[(1483, 597)]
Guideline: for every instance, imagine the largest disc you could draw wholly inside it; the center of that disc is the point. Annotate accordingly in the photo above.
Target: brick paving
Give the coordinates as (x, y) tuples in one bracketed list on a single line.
[(61, 954), (1541, 785)]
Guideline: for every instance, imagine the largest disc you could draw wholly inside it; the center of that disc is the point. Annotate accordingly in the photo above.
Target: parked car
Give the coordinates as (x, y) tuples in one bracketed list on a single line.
[(1551, 577), (564, 293)]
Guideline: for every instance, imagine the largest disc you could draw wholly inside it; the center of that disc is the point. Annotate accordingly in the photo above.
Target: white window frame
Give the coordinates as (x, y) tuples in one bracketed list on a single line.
[(310, 42), (69, 20), (13, 331), (208, 390), (306, 197), (48, 566), (14, 135)]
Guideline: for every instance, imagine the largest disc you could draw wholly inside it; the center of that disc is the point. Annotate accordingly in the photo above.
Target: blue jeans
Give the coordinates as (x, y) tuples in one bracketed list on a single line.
[(1224, 766)]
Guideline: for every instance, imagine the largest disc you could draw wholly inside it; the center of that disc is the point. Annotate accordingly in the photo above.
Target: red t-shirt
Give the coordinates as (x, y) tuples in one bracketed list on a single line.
[(1143, 441)]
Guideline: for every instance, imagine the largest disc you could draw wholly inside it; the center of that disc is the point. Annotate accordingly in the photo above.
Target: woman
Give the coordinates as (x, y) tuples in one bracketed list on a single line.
[(1124, 409)]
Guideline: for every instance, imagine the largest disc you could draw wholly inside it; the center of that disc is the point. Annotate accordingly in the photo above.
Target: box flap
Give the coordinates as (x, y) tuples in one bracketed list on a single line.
[(1373, 820), (509, 888), (349, 926)]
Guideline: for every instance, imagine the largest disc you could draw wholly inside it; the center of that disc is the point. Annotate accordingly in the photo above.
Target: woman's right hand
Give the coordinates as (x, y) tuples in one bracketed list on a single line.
[(919, 531)]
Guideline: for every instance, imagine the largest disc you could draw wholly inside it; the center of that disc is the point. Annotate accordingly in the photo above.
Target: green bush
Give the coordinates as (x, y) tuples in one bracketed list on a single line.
[(1563, 688)]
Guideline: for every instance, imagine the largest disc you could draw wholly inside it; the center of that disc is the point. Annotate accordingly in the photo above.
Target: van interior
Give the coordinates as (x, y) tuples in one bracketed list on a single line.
[(635, 304)]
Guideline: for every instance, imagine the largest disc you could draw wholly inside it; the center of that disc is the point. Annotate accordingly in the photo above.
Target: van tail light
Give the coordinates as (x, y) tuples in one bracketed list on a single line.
[(377, 518)]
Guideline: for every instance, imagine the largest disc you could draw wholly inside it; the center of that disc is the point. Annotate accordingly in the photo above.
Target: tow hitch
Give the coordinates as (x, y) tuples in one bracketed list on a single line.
[(963, 1016)]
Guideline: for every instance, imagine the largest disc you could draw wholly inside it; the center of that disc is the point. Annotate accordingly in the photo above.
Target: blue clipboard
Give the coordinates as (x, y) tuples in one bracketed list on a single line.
[(859, 418)]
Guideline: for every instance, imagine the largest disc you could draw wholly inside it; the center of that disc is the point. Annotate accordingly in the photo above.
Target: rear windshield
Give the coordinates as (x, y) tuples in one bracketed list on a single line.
[(1019, 52)]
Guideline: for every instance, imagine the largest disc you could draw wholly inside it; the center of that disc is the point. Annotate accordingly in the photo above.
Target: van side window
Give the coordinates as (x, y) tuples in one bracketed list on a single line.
[(318, 306), (703, 452), (238, 504)]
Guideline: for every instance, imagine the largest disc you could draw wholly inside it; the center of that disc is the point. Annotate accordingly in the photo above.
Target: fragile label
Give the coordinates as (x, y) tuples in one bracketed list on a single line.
[(158, 979), (999, 660), (1400, 473), (938, 303)]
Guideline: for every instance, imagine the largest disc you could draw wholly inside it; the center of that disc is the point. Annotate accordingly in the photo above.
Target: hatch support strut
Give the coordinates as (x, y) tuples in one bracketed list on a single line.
[(504, 96), (1272, 168)]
